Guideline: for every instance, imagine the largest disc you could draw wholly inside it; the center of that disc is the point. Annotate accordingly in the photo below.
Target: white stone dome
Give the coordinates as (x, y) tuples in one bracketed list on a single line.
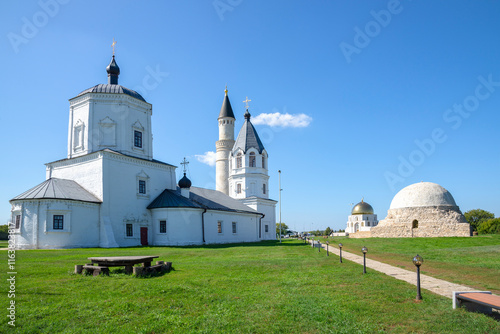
[(421, 195)]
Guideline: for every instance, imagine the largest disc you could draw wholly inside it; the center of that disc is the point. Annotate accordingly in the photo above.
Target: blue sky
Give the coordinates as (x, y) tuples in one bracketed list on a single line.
[(389, 93)]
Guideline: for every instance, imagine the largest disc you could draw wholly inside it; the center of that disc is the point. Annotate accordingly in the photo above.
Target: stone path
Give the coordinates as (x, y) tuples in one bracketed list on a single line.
[(439, 286)]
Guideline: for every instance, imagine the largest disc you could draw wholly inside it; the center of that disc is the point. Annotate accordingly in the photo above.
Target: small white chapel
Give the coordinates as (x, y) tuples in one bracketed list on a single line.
[(110, 192)]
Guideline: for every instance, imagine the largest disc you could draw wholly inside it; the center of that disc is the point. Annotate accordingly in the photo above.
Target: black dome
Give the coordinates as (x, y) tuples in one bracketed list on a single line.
[(184, 182), (113, 67)]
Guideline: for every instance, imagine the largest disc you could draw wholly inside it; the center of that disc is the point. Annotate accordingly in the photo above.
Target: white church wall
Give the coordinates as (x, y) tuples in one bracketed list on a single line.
[(80, 224), (246, 227), (109, 122), (123, 200), (86, 171), (183, 226)]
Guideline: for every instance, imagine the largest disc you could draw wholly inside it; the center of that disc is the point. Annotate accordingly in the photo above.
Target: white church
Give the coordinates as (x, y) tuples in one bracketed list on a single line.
[(110, 192)]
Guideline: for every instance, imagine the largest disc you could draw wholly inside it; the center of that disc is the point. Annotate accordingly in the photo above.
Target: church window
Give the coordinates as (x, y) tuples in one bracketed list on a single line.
[(266, 228), (129, 230), (238, 188), (58, 222), (78, 136), (142, 187), (238, 160), (163, 226), (263, 162), (414, 224), (18, 222), (138, 139), (234, 227), (252, 160), (219, 227), (362, 223), (264, 188), (107, 132), (367, 223)]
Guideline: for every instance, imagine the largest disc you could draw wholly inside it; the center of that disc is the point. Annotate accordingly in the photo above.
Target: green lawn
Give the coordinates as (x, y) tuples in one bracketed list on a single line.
[(4, 243), (246, 288), (470, 261)]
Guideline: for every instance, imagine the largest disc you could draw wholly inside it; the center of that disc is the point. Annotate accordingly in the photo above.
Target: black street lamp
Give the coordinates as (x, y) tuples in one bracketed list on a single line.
[(364, 250), (340, 246), (417, 261), (327, 243)]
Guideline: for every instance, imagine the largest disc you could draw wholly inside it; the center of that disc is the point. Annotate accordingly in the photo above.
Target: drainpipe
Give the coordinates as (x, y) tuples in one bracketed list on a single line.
[(260, 225), (203, 224)]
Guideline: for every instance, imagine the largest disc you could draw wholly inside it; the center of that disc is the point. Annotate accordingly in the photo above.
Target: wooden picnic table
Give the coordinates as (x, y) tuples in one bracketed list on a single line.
[(120, 261), (102, 264)]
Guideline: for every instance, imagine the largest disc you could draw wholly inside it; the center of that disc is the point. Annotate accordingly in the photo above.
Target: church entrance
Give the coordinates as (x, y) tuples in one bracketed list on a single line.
[(144, 236), (356, 227)]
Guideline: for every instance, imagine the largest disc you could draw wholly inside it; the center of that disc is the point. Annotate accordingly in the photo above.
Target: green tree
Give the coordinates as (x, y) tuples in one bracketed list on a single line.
[(328, 231), (477, 216), (284, 228), (4, 232), (490, 226)]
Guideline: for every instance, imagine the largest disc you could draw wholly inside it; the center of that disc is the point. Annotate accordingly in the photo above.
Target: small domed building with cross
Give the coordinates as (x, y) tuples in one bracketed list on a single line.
[(110, 192)]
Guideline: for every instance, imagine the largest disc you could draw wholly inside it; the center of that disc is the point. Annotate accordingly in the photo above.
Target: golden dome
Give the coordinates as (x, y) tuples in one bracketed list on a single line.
[(362, 208)]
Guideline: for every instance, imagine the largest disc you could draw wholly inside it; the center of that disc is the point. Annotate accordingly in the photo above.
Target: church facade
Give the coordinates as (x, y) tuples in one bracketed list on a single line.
[(110, 192)]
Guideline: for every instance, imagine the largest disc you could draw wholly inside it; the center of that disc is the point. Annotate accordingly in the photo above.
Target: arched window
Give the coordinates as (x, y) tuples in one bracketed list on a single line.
[(414, 224), (238, 188), (264, 188), (263, 162), (251, 162), (238, 160)]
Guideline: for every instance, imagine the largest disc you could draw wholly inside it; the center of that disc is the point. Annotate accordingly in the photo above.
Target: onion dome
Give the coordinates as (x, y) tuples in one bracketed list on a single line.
[(362, 208), (113, 72), (184, 182)]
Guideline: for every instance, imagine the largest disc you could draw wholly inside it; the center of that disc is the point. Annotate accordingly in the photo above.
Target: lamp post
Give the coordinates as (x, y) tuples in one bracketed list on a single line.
[(319, 246), (364, 250), (327, 243), (279, 174), (340, 246), (417, 261)]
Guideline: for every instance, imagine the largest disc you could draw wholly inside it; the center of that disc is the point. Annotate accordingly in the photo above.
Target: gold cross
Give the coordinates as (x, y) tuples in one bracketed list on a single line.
[(113, 46), (246, 101)]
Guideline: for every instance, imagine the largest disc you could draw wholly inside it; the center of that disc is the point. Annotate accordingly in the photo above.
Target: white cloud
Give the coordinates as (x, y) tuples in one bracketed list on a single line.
[(207, 158), (283, 120)]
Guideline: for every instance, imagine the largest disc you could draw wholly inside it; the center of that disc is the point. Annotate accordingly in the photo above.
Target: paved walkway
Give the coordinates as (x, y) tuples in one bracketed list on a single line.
[(439, 286)]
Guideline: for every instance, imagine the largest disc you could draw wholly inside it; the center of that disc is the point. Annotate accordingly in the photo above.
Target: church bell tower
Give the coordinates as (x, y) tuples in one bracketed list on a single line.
[(224, 145)]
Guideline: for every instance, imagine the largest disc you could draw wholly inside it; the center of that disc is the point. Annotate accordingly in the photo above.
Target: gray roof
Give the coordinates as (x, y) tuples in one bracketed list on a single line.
[(226, 110), (172, 199), (248, 138), (200, 198), (58, 189), (113, 89)]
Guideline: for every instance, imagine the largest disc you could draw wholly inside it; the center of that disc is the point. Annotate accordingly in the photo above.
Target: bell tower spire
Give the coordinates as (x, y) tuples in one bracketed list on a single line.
[(224, 145)]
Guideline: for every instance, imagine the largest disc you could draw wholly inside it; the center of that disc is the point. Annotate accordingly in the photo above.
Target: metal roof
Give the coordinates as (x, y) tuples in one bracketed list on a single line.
[(113, 89), (172, 199), (58, 189), (199, 198), (226, 110), (248, 138)]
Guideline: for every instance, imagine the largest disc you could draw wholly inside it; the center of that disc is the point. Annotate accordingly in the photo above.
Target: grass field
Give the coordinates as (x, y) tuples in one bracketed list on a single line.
[(246, 288), (469, 261)]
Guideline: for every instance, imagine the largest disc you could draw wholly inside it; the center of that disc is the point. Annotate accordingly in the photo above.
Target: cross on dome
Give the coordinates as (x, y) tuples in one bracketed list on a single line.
[(113, 46), (184, 163), (246, 101)]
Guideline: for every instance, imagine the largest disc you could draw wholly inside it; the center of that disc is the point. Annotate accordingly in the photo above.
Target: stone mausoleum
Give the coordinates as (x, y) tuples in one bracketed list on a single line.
[(423, 209)]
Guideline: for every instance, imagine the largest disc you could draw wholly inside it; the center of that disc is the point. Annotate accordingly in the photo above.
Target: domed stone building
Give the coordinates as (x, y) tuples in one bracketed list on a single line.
[(362, 219), (423, 209)]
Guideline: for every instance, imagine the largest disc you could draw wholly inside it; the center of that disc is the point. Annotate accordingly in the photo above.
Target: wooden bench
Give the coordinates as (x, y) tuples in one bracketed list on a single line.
[(96, 270), (477, 301)]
